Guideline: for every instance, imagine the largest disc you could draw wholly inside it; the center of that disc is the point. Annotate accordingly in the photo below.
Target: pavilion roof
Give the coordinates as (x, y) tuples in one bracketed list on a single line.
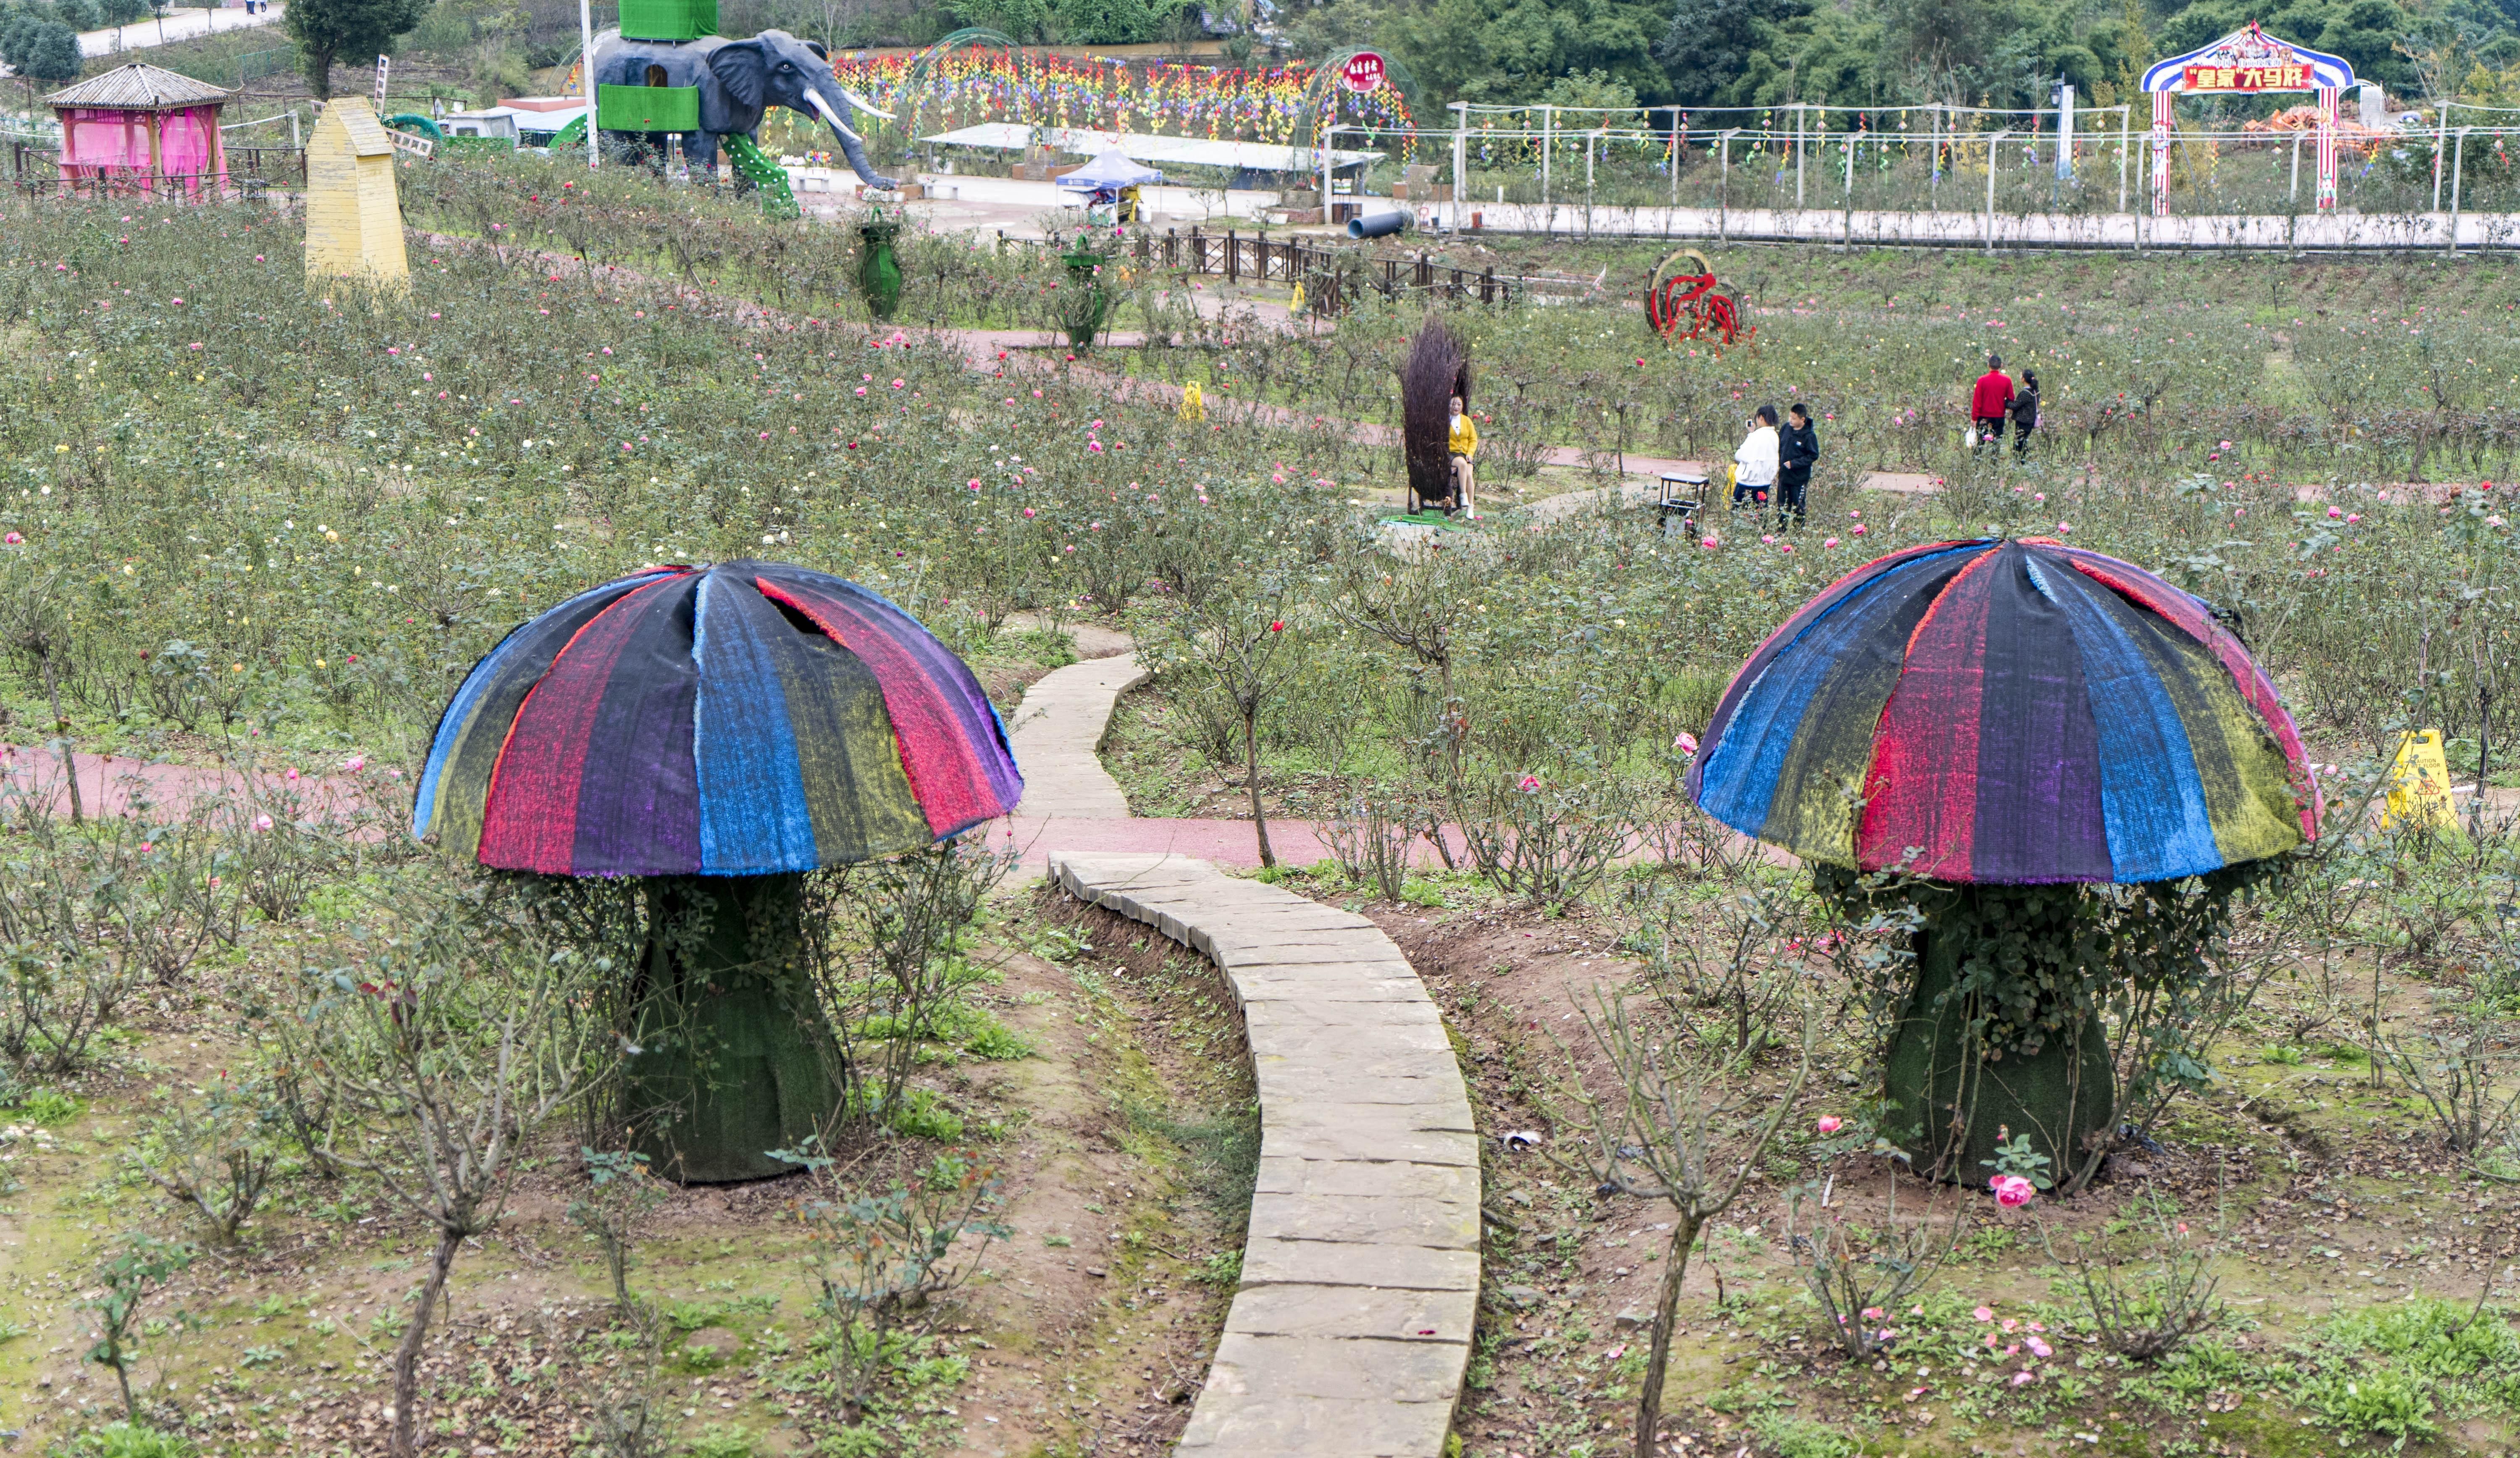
[(138, 87)]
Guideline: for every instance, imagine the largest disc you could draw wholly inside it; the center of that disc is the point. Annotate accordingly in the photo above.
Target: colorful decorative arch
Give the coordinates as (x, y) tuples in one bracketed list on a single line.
[(2249, 59)]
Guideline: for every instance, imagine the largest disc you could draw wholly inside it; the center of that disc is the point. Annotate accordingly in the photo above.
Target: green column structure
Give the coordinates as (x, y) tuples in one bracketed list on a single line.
[(736, 1057), (1087, 303), (1957, 1092), (879, 271)]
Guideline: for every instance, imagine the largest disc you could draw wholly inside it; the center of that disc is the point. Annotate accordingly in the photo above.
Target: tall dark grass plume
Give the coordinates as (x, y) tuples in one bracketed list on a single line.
[(1437, 370)]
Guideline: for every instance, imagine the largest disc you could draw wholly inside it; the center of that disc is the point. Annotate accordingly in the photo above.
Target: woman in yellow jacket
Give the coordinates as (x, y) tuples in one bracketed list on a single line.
[(1464, 445)]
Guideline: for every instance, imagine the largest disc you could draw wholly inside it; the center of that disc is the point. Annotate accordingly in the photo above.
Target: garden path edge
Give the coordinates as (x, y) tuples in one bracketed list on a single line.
[(1350, 1333)]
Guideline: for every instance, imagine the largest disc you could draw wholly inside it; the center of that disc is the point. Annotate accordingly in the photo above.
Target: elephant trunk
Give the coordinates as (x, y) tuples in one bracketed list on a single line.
[(851, 146)]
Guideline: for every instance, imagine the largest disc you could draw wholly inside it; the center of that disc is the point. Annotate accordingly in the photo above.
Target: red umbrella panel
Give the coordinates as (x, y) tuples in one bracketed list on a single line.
[(2008, 712), (742, 719)]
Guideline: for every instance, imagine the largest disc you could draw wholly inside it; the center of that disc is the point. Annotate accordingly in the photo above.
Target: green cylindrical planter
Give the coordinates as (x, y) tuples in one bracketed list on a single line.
[(1962, 1094), (1087, 303), (879, 273), (736, 1058)]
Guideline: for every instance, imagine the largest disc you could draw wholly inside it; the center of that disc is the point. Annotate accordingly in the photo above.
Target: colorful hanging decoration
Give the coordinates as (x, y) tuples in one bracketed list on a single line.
[(973, 84)]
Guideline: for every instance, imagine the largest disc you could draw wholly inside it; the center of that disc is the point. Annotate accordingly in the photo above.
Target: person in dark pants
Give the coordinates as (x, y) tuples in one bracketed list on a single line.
[(1989, 401), (1754, 465), (2025, 412), (1797, 448)]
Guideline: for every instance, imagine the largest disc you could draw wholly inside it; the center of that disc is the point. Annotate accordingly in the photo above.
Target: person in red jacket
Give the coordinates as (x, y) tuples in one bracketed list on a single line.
[(1991, 401)]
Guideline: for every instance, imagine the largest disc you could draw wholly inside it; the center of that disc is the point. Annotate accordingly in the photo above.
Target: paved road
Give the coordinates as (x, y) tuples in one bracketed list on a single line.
[(178, 24)]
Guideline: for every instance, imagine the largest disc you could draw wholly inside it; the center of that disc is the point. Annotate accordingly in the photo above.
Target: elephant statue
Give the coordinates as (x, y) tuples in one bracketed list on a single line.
[(737, 80)]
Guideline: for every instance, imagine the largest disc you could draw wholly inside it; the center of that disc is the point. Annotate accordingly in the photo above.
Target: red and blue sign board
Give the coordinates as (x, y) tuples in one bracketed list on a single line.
[(1363, 71)]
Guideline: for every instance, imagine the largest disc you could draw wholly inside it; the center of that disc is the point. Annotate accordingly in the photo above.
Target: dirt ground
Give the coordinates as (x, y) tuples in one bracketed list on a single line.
[(2318, 1191), (1086, 1331)]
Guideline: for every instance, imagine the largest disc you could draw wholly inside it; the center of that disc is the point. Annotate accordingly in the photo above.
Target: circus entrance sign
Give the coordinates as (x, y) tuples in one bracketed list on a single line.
[(2247, 61)]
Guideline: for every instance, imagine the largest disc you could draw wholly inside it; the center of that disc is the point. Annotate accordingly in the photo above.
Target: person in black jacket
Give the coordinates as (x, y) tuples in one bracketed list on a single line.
[(1797, 447), (2025, 412)]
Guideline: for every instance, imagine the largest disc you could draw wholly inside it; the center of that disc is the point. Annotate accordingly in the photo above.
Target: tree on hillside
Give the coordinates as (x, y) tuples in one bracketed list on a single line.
[(355, 30), (1023, 19), (1103, 22), (38, 47), (1515, 49), (1709, 43)]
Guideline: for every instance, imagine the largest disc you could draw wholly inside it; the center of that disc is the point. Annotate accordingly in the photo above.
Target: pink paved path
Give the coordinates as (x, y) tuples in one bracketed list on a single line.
[(112, 785)]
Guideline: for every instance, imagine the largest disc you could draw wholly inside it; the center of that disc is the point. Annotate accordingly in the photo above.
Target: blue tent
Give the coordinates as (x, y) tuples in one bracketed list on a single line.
[(1111, 172)]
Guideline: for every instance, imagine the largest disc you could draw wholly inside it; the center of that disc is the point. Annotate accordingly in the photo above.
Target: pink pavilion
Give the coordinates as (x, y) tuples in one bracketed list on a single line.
[(143, 127)]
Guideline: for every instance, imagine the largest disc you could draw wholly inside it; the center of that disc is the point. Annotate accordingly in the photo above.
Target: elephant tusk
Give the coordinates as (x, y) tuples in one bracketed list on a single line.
[(860, 102), (833, 117)]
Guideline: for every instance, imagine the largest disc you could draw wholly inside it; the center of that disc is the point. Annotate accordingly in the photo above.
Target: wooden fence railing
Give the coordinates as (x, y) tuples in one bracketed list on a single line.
[(249, 169), (1331, 280)]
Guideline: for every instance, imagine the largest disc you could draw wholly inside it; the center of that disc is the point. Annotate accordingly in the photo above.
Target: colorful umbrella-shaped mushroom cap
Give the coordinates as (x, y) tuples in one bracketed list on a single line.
[(741, 719), (2007, 711)]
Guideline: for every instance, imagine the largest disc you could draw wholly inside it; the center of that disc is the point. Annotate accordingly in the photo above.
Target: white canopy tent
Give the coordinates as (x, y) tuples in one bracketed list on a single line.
[(1111, 172)]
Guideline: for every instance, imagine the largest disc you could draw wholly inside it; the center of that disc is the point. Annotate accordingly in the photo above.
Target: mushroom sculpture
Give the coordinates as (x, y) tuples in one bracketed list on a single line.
[(718, 732), (1999, 725)]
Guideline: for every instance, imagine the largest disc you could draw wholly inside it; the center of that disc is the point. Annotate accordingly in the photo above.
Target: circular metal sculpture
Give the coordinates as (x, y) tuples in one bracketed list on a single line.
[(1675, 295), (717, 731), (1992, 723)]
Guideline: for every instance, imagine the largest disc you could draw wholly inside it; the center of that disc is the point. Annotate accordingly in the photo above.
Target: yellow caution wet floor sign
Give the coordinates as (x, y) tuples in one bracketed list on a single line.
[(2420, 784)]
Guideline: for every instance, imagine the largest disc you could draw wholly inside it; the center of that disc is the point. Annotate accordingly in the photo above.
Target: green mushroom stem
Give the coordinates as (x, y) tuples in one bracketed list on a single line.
[(1999, 1058), (735, 1056), (1962, 1096)]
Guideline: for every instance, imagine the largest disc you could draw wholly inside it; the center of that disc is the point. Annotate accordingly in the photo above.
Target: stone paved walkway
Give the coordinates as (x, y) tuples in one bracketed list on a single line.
[(1058, 734), (1350, 1333)]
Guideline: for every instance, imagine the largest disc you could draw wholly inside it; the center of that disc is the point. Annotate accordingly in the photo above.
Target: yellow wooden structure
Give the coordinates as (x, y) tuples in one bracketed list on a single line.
[(354, 216)]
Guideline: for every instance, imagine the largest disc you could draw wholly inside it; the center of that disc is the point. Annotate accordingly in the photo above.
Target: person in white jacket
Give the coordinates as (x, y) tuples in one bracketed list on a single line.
[(1754, 465)]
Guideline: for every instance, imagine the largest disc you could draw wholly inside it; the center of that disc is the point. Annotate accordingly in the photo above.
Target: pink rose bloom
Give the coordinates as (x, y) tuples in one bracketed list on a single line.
[(1527, 784), (2020, 1379), (2333, 513), (1830, 1123), (1832, 543), (1686, 743), (2041, 1348), (1859, 529), (354, 764), (1708, 543), (263, 822), (1872, 1313), (1984, 1313), (2011, 1190)]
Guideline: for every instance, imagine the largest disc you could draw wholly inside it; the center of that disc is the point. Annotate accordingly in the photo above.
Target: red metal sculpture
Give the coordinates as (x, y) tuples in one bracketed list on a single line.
[(1674, 296)]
